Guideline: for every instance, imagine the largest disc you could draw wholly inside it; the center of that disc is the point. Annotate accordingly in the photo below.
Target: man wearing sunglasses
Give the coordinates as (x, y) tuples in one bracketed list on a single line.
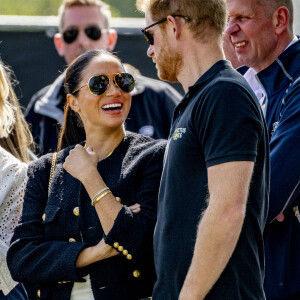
[(213, 197), (84, 26)]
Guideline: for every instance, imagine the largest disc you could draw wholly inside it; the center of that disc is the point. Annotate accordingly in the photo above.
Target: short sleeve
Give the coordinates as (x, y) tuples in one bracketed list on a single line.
[(229, 124)]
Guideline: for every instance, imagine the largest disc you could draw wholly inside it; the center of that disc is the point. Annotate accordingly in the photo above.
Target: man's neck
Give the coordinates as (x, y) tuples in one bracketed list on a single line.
[(197, 59), (282, 44)]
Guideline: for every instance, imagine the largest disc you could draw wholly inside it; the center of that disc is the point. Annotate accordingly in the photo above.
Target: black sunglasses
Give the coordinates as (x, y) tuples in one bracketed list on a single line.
[(149, 37), (92, 32), (98, 84)]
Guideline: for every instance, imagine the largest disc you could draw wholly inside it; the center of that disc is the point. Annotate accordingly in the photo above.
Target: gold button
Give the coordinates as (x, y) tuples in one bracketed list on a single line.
[(44, 217), (129, 256), (39, 293), (118, 199), (120, 248), (136, 274), (72, 240), (76, 211), (125, 252), (116, 244)]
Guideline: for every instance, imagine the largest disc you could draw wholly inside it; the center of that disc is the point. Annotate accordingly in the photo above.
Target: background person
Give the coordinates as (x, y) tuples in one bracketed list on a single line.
[(63, 239), (208, 238), (84, 26), (15, 139), (262, 34)]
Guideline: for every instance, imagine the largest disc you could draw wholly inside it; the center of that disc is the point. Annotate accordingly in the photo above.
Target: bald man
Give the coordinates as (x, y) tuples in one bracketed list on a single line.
[(261, 32)]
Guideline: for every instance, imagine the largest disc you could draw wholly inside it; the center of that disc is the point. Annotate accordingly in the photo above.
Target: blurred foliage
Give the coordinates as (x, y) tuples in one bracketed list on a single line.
[(120, 8)]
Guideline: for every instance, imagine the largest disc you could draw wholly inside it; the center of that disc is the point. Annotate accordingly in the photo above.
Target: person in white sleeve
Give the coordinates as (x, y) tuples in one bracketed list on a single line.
[(15, 141)]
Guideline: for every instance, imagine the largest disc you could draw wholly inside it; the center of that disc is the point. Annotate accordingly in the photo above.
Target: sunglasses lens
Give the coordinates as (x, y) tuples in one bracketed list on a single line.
[(125, 82), (98, 84), (93, 32), (149, 37), (70, 35)]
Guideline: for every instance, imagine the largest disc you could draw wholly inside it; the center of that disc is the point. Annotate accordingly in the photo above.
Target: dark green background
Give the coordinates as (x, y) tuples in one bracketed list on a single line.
[(120, 8)]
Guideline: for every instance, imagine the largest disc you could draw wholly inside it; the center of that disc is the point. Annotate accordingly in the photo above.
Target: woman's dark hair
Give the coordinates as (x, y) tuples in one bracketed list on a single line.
[(72, 131)]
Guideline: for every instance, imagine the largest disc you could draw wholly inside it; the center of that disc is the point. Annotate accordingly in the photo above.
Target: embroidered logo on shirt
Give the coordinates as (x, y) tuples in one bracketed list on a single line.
[(178, 133)]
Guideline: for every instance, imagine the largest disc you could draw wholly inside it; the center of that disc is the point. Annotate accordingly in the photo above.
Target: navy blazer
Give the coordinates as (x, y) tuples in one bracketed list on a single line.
[(53, 230)]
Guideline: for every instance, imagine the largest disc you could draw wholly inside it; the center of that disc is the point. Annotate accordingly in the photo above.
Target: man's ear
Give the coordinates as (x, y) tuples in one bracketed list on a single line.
[(176, 25), (112, 39), (58, 42), (281, 18)]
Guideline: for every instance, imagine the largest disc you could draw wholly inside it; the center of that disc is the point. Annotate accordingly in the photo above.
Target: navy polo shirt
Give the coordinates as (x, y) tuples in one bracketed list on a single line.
[(218, 121)]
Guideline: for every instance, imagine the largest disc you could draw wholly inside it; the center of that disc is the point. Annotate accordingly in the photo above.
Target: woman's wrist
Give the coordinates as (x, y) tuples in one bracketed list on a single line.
[(91, 178), (93, 254), (85, 257)]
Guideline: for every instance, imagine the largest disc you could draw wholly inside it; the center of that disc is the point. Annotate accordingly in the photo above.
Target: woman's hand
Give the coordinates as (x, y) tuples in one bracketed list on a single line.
[(95, 253), (135, 208), (81, 163), (104, 250)]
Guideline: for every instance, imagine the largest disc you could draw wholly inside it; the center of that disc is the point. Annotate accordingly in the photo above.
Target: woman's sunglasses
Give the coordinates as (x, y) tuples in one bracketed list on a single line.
[(92, 32), (98, 84)]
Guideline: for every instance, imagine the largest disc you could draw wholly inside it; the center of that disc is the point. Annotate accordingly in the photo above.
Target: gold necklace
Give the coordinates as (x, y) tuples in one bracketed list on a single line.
[(109, 154)]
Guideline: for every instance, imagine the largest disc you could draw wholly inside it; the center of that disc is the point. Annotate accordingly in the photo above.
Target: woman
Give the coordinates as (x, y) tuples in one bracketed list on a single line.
[(15, 139), (83, 241)]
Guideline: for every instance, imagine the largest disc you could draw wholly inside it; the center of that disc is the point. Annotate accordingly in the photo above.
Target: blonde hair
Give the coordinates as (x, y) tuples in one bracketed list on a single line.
[(15, 136), (104, 10), (206, 17), (7, 115)]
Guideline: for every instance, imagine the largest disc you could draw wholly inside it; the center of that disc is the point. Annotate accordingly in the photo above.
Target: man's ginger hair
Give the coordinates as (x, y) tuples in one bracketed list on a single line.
[(206, 17)]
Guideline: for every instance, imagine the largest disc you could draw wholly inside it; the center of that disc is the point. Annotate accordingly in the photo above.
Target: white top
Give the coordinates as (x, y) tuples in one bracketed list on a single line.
[(82, 290), (12, 186)]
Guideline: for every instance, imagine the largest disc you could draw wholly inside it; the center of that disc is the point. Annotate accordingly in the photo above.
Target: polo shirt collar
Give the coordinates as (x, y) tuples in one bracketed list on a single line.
[(204, 79)]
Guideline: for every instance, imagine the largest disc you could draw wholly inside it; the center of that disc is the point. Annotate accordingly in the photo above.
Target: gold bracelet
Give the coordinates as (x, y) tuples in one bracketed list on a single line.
[(100, 197), (99, 193)]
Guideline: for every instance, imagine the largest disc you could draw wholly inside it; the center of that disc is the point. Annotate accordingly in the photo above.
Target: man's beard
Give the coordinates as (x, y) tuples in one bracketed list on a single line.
[(169, 64)]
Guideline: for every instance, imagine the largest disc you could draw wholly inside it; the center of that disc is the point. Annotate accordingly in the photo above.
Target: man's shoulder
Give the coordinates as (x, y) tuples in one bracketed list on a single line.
[(35, 97), (227, 88), (231, 79), (40, 93)]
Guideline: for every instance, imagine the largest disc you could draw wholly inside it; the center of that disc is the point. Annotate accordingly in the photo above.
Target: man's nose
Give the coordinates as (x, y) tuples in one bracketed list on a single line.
[(231, 29), (150, 51), (82, 39)]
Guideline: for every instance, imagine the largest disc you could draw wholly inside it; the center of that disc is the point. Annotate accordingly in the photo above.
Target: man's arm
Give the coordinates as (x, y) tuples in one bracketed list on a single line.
[(219, 228)]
